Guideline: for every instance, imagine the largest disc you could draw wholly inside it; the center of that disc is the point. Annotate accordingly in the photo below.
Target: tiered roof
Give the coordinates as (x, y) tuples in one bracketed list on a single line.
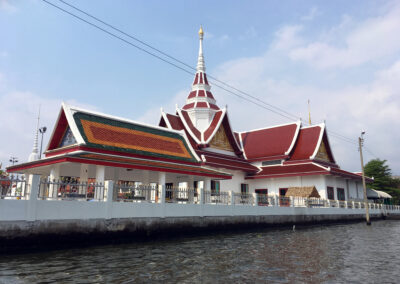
[(82, 136)]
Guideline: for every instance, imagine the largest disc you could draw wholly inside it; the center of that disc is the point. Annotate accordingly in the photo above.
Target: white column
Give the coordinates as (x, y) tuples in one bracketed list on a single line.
[(109, 185), (335, 188), (206, 189), (99, 190), (324, 190), (54, 176), (161, 187), (83, 177), (34, 181)]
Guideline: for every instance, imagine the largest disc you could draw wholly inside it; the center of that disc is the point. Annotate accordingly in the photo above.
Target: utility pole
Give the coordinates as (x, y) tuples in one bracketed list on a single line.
[(360, 143)]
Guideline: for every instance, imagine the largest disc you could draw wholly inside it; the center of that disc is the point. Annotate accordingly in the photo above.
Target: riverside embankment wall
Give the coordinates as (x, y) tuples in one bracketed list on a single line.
[(34, 221)]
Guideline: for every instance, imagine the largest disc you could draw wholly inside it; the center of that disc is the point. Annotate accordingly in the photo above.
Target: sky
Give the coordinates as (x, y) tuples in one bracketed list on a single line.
[(343, 56)]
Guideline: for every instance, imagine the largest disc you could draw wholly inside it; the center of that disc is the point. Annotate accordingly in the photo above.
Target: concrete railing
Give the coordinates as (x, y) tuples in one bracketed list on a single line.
[(159, 202)]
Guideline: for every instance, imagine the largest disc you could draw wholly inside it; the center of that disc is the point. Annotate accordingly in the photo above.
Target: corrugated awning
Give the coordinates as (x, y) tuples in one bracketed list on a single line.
[(377, 194)]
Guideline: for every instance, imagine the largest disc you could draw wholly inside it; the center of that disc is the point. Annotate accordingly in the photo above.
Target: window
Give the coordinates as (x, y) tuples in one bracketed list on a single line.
[(270, 163), (215, 187), (244, 188), (262, 196), (330, 193), (169, 191), (340, 194), (282, 200)]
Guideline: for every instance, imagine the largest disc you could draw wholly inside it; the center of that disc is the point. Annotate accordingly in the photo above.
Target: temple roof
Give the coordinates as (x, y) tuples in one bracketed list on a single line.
[(97, 130), (302, 169), (312, 144), (272, 143)]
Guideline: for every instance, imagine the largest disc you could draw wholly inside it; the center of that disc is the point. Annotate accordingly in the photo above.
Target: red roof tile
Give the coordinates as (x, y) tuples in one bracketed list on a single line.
[(307, 142), (289, 170), (227, 162), (270, 143)]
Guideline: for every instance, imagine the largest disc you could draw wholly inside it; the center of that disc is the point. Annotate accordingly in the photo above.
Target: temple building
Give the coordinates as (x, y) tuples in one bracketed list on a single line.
[(193, 147)]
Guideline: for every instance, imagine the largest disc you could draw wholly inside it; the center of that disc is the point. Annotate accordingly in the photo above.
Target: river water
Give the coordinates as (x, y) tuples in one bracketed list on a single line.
[(352, 253)]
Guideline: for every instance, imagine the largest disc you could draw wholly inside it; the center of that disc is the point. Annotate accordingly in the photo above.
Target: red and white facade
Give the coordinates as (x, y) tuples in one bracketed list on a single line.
[(195, 145), (271, 159)]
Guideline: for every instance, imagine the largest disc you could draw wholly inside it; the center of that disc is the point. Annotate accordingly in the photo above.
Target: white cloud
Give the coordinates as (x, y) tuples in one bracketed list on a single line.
[(5, 5), (19, 110), (370, 40), (348, 108), (288, 37)]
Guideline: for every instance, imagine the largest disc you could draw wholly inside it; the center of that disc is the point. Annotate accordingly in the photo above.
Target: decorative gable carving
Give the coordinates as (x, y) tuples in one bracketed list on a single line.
[(220, 141), (322, 153), (68, 138)]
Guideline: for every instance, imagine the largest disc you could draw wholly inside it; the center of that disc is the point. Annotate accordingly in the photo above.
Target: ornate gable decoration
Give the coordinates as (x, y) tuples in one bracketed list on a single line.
[(68, 138), (220, 141), (322, 153)]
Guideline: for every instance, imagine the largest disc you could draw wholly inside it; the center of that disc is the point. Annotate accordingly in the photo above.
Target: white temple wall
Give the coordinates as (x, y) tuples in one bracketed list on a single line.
[(274, 184), (234, 184)]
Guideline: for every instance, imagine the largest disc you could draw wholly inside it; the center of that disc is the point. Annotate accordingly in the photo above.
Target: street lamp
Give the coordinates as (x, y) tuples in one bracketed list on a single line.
[(13, 160), (42, 130), (360, 143)]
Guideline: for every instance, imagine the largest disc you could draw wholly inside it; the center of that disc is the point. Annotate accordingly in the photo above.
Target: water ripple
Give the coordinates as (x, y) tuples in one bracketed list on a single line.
[(333, 254)]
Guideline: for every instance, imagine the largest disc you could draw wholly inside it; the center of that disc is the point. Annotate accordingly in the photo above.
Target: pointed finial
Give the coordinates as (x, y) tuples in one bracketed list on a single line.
[(201, 33), (35, 151), (309, 113)]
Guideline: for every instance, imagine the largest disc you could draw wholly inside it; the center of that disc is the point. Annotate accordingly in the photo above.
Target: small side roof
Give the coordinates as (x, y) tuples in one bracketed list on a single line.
[(303, 191)]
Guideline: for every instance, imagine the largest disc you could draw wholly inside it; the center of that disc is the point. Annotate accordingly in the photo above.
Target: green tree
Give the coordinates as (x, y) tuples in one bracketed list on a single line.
[(382, 174)]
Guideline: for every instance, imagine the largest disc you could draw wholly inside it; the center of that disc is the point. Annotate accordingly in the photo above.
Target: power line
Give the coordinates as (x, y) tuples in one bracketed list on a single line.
[(254, 100), (159, 57), (292, 116)]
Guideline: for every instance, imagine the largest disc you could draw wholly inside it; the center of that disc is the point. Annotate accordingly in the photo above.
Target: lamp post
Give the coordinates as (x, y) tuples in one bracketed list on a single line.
[(13, 160), (360, 143), (42, 131)]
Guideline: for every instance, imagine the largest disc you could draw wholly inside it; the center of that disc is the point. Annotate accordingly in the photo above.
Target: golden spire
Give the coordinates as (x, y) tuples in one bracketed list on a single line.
[(309, 113), (201, 33)]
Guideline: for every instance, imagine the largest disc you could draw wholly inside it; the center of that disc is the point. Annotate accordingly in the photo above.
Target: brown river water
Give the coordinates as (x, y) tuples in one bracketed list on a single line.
[(351, 253)]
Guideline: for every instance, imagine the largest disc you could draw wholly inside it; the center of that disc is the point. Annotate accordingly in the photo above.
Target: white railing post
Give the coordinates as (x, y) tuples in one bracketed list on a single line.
[(109, 188), (291, 200), (277, 200), (34, 183), (202, 199), (232, 198), (255, 197), (162, 191)]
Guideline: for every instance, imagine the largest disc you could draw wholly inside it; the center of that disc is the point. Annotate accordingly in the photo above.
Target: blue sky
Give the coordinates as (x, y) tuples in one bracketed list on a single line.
[(342, 55)]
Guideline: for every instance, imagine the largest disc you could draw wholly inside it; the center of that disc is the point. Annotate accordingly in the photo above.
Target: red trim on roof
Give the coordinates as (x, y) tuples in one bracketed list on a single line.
[(188, 121), (192, 94), (209, 95), (115, 153), (213, 125), (188, 106), (306, 143), (205, 79), (289, 170), (201, 105), (201, 78), (269, 144), (59, 131), (227, 162), (201, 93), (213, 106), (40, 163), (196, 79)]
